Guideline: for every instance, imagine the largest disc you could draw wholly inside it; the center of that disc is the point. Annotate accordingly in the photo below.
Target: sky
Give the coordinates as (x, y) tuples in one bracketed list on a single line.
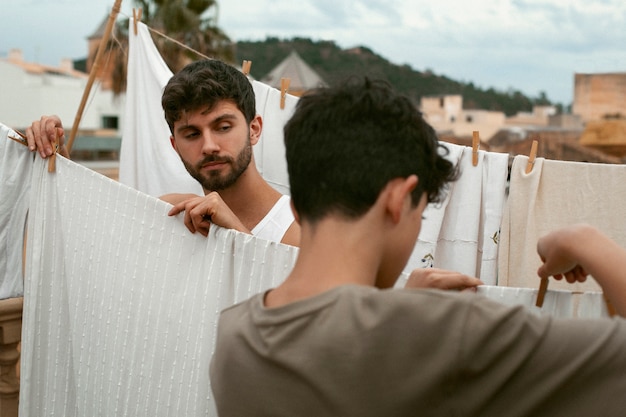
[(532, 46)]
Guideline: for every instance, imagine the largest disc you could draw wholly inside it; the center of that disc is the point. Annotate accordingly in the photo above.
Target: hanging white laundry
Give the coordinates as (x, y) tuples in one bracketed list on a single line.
[(556, 303), (494, 182), (15, 168), (461, 234), (270, 149), (457, 248), (553, 195), (148, 162), (122, 301)]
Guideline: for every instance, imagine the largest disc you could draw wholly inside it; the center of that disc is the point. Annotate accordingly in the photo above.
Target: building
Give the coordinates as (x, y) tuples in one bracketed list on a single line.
[(599, 96), (447, 116), (30, 90)]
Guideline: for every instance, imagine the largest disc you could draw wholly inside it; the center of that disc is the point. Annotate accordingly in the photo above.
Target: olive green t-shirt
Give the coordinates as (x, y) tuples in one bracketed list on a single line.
[(360, 351)]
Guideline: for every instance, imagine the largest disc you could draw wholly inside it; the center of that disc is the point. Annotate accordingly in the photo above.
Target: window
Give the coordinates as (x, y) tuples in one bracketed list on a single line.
[(110, 122)]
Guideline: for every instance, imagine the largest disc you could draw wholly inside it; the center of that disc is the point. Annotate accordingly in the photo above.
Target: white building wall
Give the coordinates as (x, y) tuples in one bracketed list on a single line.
[(26, 96)]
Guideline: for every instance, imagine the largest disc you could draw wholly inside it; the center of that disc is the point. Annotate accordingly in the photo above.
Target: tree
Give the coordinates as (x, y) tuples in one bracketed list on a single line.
[(191, 22)]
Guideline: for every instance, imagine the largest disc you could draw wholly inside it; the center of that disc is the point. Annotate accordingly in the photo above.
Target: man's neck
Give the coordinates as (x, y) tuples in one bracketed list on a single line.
[(335, 253)]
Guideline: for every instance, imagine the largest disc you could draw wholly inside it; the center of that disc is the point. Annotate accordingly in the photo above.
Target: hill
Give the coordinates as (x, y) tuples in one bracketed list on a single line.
[(334, 64)]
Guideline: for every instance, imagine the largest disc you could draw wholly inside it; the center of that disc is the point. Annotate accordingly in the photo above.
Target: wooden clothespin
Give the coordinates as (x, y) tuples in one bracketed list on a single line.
[(136, 18), (52, 160), (543, 288), (475, 147), (245, 67), (284, 86), (21, 139), (531, 157)]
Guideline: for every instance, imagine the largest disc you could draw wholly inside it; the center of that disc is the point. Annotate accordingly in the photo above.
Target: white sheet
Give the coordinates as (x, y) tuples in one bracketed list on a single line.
[(122, 301), (15, 167), (556, 194), (270, 149), (148, 162)]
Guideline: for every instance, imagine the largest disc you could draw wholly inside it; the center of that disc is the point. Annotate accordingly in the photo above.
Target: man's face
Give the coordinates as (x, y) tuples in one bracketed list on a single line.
[(215, 145)]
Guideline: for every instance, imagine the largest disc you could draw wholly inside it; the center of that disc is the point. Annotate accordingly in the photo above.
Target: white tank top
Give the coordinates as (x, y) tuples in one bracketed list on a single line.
[(275, 224)]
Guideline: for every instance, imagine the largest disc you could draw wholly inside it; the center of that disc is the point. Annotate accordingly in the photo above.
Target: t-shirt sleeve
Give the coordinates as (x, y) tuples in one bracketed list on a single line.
[(538, 365)]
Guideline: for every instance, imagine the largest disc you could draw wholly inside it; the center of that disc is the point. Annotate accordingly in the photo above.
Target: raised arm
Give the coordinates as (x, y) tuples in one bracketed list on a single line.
[(573, 252)]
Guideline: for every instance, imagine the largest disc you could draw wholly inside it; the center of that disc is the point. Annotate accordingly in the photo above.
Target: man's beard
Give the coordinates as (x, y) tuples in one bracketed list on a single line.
[(216, 181)]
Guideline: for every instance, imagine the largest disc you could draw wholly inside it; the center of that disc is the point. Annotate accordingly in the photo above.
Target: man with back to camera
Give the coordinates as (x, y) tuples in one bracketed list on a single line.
[(335, 340)]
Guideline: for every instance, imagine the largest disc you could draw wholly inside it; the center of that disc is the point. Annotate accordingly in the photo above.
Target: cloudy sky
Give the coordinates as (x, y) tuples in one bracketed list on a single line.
[(527, 45)]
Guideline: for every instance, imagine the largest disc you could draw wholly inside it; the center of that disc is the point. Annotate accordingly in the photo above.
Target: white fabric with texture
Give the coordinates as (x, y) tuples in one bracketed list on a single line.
[(553, 195), (122, 301), (556, 303), (270, 150), (15, 166)]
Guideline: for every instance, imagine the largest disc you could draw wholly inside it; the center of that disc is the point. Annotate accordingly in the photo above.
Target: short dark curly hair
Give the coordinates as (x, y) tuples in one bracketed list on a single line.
[(344, 144), (205, 83)]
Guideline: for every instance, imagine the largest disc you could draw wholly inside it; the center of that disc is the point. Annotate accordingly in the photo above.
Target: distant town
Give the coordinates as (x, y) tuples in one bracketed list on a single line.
[(594, 131)]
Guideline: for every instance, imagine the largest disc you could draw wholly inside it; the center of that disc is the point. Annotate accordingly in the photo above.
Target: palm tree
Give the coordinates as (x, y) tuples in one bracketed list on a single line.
[(190, 22)]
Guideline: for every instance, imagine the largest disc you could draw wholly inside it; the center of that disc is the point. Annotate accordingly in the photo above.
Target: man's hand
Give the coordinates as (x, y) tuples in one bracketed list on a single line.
[(201, 212), (43, 133), (557, 251), (441, 279)]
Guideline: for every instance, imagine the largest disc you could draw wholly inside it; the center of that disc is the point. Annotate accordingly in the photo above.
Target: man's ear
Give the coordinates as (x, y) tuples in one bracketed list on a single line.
[(173, 142), (399, 195), (256, 127)]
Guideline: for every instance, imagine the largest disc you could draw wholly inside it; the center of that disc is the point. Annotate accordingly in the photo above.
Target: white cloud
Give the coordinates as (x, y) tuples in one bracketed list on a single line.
[(531, 45)]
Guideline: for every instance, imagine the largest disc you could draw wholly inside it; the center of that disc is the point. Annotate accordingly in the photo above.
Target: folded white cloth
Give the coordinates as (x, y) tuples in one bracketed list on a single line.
[(553, 195), (15, 167)]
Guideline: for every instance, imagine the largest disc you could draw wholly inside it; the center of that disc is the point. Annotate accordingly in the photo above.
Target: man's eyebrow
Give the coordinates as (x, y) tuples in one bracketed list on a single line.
[(218, 119), (225, 116)]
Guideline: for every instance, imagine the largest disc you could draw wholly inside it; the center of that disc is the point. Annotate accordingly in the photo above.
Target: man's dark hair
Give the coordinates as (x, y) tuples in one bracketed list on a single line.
[(205, 83), (344, 144)]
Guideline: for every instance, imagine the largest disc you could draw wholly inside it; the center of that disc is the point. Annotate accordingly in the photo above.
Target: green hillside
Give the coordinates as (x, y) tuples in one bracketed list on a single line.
[(334, 64)]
